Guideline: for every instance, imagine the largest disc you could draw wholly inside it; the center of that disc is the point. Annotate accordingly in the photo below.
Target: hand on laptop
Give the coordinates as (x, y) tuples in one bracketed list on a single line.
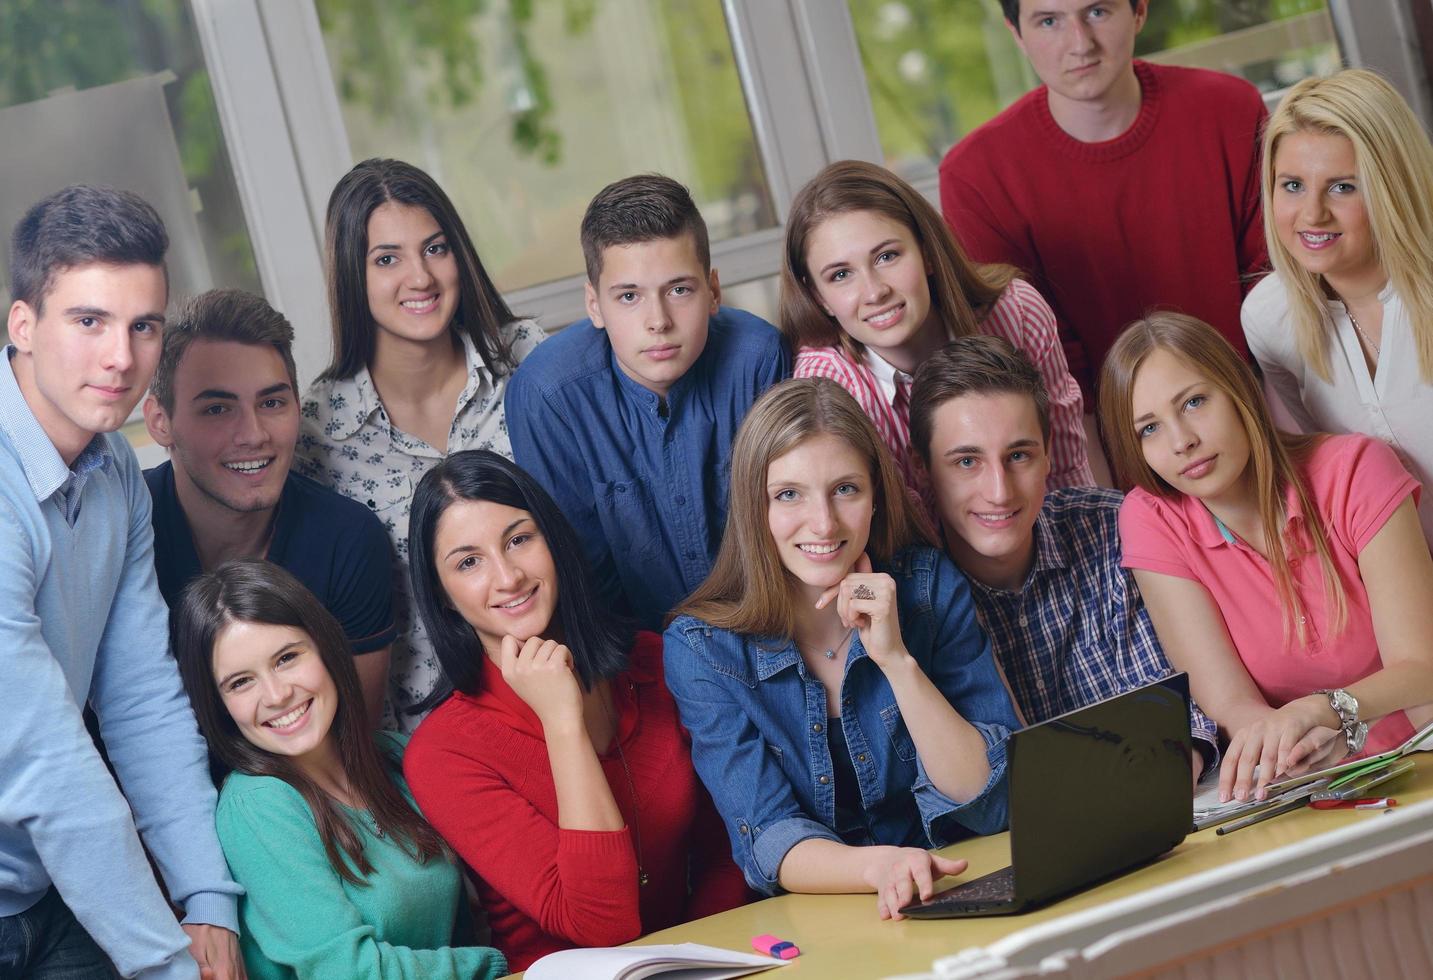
[(900, 875), (1284, 741)]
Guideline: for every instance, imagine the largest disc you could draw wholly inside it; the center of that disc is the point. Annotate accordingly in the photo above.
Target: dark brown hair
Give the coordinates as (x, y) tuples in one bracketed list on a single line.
[(77, 226), (961, 292), (481, 311), (975, 365), (252, 591), (221, 315), (642, 208), (1011, 9)]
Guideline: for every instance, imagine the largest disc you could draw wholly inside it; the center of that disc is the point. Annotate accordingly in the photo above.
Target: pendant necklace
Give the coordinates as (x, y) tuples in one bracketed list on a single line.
[(642, 877), (831, 653)]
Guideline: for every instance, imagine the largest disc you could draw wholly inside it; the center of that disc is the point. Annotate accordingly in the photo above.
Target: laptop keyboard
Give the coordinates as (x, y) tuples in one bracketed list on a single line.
[(992, 889)]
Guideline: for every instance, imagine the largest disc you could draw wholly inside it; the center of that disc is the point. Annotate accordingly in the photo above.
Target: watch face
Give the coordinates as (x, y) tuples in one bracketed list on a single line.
[(1357, 738), (1345, 704)]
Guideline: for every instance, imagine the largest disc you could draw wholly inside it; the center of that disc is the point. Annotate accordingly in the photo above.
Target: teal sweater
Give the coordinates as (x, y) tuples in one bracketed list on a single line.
[(301, 920)]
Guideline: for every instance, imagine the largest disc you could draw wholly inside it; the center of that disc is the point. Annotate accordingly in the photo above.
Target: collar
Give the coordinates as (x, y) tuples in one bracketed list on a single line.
[(1386, 295), (774, 656), (361, 403), (45, 469), (495, 695), (645, 397), (1205, 527), (1050, 556)]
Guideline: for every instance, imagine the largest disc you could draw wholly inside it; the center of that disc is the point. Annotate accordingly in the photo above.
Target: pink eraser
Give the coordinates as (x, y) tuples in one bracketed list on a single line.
[(779, 948)]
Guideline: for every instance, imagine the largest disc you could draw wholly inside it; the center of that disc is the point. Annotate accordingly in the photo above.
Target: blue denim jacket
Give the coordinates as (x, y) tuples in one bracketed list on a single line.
[(758, 724)]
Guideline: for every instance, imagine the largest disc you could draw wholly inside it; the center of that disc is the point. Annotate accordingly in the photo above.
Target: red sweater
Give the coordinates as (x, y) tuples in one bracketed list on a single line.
[(478, 768), (1165, 215)]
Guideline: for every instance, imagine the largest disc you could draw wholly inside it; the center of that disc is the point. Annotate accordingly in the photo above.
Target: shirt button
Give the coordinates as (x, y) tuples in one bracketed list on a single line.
[(861, 757), (371, 505), (621, 489), (744, 830), (845, 702), (1023, 620), (816, 727), (824, 780), (681, 500)]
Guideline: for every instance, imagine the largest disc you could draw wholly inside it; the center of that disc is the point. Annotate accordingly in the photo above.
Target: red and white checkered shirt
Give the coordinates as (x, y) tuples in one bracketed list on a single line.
[(1020, 316)]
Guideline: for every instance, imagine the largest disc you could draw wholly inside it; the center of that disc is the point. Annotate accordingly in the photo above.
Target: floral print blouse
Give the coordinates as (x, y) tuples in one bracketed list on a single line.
[(347, 442)]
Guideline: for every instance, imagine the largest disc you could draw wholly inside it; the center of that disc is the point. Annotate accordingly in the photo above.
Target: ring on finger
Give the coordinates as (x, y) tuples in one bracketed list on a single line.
[(862, 591)]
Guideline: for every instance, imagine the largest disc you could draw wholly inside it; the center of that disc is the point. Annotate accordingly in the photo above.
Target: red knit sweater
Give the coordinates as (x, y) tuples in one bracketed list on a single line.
[(1165, 215), (478, 768)]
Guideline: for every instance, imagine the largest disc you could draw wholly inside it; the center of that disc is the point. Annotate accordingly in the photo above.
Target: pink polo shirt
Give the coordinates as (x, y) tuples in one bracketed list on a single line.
[(1356, 484)]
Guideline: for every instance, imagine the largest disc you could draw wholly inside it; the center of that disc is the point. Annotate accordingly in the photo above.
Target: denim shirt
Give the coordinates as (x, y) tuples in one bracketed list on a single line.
[(642, 480), (758, 719)]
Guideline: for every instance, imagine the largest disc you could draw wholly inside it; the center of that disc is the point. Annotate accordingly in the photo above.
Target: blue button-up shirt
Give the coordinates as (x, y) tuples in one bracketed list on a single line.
[(758, 720), (644, 485), (81, 619), (1076, 631)]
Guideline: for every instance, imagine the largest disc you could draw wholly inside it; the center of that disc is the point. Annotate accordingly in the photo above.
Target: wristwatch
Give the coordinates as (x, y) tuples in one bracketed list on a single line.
[(1345, 705)]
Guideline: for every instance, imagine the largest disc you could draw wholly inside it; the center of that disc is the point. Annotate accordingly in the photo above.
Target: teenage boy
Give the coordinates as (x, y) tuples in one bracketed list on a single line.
[(627, 418), (82, 620), (1118, 185), (224, 402), (1067, 624)]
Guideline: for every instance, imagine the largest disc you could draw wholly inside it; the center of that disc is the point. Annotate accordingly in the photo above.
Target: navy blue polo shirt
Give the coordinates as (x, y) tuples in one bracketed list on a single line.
[(335, 546)]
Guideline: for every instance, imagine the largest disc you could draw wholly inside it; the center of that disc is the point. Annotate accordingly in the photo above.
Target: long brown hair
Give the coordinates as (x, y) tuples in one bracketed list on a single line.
[(749, 590), (961, 292), (1275, 455), (1395, 178), (252, 591)]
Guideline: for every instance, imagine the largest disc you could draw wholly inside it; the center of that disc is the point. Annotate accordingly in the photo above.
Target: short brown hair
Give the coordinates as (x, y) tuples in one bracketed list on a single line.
[(976, 365), (642, 208), (221, 315)]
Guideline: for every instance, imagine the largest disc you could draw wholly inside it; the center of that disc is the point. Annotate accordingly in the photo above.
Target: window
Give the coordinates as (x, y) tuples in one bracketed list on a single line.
[(523, 111), (938, 68), (118, 94)]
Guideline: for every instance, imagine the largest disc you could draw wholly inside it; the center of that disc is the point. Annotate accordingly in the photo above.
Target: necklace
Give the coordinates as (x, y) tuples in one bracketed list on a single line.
[(642, 877), (1366, 338), (831, 652)]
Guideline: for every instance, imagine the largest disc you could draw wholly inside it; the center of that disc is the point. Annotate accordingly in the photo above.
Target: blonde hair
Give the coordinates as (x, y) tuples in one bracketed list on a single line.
[(1274, 455), (961, 292), (749, 590), (1394, 162)]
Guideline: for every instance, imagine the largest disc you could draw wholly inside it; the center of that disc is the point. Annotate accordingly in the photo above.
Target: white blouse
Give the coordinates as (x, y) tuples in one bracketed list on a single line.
[(1395, 404)]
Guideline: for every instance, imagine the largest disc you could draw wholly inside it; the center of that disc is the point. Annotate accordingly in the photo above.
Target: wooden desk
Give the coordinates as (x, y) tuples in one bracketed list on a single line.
[(1333, 893)]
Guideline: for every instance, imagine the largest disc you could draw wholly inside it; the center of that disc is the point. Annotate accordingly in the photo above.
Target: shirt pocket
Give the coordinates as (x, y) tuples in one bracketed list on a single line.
[(896, 729), (630, 521)]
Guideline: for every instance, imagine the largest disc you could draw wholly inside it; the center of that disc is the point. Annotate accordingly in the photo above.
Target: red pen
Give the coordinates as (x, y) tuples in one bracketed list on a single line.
[(1369, 803)]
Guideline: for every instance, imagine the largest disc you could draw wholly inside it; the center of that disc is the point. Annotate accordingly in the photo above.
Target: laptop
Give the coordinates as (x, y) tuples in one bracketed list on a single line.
[(1093, 793)]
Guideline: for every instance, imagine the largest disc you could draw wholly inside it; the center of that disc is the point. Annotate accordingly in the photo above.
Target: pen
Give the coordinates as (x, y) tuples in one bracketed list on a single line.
[(1263, 815), (1370, 803)]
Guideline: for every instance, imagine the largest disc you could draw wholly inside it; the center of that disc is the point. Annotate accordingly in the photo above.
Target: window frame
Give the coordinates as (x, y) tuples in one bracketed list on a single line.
[(800, 70)]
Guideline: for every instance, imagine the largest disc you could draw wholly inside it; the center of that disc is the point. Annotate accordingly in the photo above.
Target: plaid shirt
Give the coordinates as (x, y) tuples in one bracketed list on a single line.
[(1077, 631)]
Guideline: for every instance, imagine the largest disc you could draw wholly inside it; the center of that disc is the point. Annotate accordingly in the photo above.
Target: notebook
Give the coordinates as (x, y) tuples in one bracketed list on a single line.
[(1093, 793), (1208, 811), (687, 961)]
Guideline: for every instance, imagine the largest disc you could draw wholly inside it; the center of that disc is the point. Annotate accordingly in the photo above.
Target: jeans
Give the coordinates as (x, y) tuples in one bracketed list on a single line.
[(44, 942)]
